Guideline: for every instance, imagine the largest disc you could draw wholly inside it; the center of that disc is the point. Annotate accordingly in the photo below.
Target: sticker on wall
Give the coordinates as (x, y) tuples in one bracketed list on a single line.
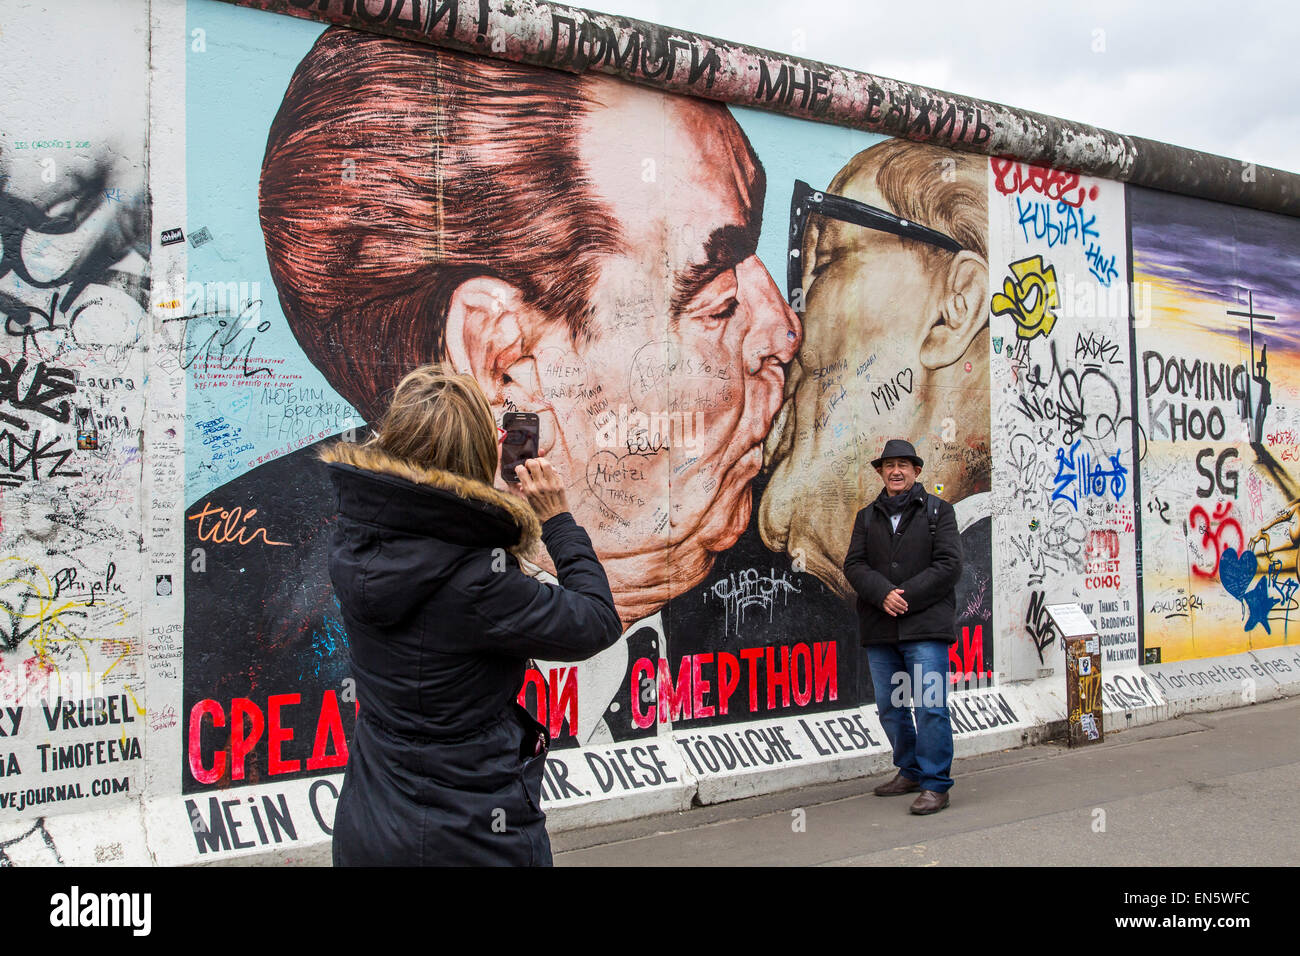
[(172, 236), (200, 237), (87, 433)]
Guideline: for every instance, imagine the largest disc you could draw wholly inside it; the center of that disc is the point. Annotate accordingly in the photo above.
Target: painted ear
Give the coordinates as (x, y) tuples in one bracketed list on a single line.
[(963, 311), (490, 331), (808, 254)]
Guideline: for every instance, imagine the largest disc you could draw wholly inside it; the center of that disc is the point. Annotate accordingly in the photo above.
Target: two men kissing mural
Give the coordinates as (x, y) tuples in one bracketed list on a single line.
[(588, 250)]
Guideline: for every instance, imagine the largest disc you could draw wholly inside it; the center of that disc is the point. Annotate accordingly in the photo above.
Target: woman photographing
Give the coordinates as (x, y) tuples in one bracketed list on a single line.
[(445, 767)]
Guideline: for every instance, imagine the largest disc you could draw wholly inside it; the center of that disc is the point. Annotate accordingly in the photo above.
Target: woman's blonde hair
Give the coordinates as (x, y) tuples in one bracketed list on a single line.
[(441, 419)]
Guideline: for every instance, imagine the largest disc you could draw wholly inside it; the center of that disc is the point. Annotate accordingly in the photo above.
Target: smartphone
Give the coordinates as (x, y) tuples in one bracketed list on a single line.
[(520, 442)]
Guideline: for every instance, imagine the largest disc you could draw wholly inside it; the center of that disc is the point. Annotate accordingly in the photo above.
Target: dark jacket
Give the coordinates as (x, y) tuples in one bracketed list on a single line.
[(926, 568), (445, 766)]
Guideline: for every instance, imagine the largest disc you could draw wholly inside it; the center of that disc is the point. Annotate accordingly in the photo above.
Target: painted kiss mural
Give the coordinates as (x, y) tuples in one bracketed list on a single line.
[(609, 258), (719, 316), (891, 265)]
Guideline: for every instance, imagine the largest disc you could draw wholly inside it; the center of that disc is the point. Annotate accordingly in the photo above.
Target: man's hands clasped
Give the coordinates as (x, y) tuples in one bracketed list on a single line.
[(894, 604)]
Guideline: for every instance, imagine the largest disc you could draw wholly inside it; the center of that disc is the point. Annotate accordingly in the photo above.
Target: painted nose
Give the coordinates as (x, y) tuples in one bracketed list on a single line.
[(775, 331)]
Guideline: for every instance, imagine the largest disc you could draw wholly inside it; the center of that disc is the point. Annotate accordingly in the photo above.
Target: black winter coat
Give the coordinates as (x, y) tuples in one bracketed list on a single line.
[(926, 568), (445, 767)]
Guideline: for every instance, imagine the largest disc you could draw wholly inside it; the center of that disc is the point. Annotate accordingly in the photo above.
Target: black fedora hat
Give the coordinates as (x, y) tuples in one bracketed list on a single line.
[(897, 448)]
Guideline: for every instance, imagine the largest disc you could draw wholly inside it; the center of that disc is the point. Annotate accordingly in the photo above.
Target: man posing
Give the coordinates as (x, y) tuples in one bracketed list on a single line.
[(904, 561)]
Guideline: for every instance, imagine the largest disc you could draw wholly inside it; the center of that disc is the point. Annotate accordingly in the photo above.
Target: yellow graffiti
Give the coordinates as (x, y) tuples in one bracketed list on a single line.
[(1289, 516), (1029, 296), (54, 624)]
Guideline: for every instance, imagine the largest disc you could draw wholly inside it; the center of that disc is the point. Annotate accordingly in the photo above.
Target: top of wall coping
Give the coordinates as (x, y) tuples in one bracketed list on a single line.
[(577, 40)]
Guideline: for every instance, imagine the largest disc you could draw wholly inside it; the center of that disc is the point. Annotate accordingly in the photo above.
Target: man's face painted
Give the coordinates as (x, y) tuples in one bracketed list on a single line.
[(657, 416), (857, 381)]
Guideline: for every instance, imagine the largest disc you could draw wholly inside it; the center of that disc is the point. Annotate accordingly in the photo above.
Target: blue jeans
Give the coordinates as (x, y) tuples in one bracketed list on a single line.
[(907, 676)]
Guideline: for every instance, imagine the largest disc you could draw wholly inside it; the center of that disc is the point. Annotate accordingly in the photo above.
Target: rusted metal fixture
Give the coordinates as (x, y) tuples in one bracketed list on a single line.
[(576, 40)]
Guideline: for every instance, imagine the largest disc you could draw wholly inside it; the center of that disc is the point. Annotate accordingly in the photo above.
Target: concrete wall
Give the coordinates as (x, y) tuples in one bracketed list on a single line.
[(74, 292), (215, 264)]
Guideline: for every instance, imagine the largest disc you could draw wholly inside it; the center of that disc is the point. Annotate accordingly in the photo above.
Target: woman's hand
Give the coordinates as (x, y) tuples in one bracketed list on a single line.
[(541, 485)]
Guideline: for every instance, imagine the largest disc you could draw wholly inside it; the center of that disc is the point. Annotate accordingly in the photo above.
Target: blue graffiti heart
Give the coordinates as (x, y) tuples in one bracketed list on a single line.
[(1236, 571)]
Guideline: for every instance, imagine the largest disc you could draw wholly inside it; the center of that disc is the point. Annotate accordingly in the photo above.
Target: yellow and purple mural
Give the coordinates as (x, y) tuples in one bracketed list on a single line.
[(1214, 371)]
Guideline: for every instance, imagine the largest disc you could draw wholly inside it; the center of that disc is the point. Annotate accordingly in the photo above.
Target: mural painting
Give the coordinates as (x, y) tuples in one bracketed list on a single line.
[(586, 258), (1214, 370), (1063, 438), (719, 315)]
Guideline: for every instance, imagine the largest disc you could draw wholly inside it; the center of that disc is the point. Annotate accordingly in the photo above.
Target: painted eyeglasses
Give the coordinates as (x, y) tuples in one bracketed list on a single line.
[(807, 201)]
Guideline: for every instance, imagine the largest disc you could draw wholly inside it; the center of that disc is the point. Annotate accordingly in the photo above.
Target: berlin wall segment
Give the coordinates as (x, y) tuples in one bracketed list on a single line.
[(1112, 426)]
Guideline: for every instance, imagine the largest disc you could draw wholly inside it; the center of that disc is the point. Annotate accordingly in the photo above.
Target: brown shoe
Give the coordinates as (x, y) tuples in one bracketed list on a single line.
[(899, 784), (929, 802)]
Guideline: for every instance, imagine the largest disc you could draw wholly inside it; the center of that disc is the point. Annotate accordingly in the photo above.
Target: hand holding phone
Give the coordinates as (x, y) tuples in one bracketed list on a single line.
[(543, 487), (519, 444)]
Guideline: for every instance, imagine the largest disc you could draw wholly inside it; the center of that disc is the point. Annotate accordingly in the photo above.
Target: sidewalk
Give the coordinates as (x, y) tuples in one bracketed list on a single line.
[(1210, 788)]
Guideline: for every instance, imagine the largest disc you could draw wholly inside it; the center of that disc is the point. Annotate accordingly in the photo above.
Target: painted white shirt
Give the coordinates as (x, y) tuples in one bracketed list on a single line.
[(599, 676)]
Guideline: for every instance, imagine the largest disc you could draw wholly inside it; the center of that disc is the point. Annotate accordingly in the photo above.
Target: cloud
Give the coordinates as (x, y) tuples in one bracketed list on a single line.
[(1194, 74)]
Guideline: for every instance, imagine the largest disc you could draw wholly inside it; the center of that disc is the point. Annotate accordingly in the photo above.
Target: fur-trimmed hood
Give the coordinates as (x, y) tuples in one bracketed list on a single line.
[(440, 624), (476, 513)]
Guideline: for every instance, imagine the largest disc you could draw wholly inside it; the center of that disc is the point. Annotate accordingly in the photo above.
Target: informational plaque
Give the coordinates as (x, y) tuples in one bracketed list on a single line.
[(1082, 673), (1070, 620)]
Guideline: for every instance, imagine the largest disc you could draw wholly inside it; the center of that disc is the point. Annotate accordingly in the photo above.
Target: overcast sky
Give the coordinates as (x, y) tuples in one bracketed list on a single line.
[(1223, 76)]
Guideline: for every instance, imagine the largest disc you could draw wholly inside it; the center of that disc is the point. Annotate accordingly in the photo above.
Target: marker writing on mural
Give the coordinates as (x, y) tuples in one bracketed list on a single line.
[(24, 320), (1039, 624), (47, 385), (1096, 347), (232, 530), (226, 338), (1156, 506), (1100, 265), (17, 456), (1011, 176), (741, 590), (891, 390), (1284, 589), (1211, 534), (1058, 223), (1090, 477)]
